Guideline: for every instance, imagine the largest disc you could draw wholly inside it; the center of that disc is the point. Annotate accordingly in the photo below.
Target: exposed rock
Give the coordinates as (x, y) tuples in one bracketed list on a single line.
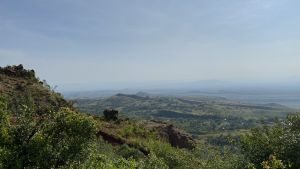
[(110, 114), (176, 137)]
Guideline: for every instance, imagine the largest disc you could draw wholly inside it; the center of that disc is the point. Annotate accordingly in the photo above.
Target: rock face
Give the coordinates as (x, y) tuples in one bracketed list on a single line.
[(110, 114), (176, 137)]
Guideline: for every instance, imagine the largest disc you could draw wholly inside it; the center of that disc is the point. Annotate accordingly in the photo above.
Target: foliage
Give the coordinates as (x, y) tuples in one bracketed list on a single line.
[(128, 152), (30, 140), (110, 114), (281, 141), (273, 163)]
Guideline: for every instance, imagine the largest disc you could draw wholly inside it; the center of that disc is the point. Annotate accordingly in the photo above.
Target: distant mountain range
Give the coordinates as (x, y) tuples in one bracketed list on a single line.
[(281, 93)]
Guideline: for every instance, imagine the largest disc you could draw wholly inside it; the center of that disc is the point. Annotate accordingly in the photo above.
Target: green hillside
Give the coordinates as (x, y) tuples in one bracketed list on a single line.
[(40, 129)]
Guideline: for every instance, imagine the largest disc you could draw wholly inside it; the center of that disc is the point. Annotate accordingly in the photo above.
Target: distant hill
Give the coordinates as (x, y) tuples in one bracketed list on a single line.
[(142, 94), (136, 104), (198, 115)]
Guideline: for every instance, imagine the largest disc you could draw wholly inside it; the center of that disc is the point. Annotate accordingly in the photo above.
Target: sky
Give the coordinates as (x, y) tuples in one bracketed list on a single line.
[(108, 43)]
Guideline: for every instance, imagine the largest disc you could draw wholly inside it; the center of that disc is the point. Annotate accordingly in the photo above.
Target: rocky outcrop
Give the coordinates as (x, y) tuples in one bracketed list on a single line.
[(17, 71), (176, 137)]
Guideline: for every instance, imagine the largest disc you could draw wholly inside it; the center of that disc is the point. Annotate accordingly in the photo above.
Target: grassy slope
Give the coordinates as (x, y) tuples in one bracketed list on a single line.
[(18, 82)]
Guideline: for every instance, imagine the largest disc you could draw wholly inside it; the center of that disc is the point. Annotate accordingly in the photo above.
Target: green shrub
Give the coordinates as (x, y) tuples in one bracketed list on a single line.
[(29, 140), (127, 152), (283, 139)]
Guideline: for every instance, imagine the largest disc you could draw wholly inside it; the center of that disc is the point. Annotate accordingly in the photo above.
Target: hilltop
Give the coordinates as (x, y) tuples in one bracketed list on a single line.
[(15, 81)]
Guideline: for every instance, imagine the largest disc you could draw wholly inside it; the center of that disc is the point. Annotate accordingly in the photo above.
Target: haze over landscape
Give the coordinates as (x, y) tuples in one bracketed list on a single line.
[(122, 44)]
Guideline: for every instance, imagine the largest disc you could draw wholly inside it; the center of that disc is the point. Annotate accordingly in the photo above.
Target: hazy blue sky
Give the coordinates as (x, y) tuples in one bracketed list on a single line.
[(125, 41)]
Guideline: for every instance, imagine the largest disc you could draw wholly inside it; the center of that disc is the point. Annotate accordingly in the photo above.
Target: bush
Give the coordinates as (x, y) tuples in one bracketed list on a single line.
[(29, 140), (111, 114), (127, 152), (283, 139)]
